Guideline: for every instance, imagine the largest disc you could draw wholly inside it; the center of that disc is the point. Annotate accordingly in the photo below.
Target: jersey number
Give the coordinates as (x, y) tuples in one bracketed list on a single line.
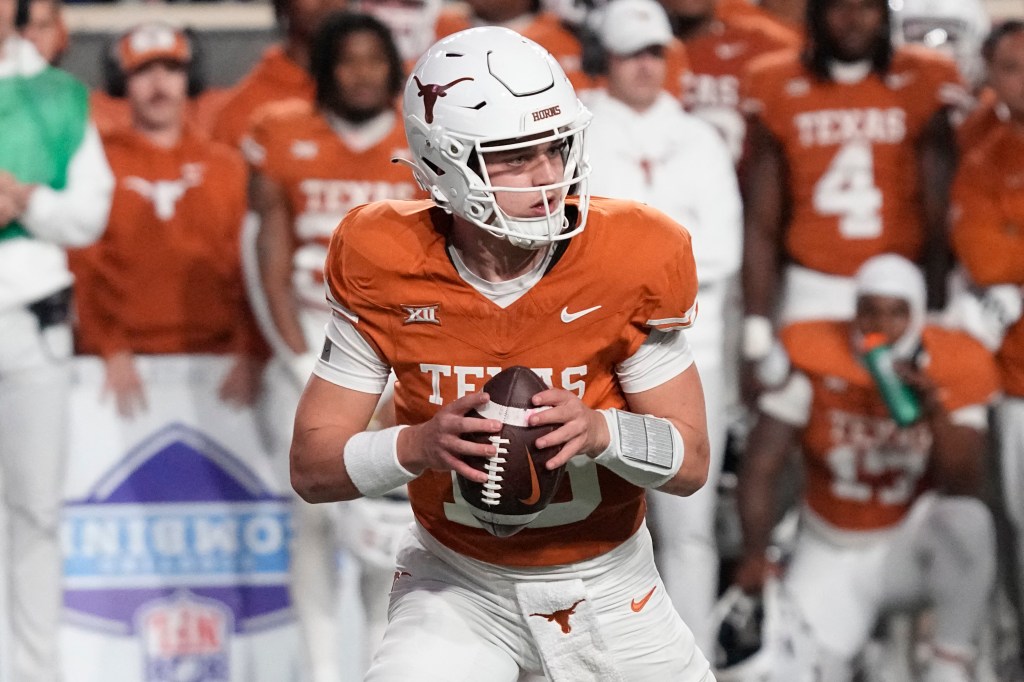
[(847, 189), (850, 466), (586, 495)]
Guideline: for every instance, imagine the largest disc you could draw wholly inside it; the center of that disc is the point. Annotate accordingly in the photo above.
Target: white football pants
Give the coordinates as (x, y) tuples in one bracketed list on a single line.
[(812, 295), (942, 554), (608, 619), (684, 527), (35, 380)]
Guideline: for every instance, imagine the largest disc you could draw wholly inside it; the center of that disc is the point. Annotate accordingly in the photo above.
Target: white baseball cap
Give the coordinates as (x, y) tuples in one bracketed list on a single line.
[(628, 26)]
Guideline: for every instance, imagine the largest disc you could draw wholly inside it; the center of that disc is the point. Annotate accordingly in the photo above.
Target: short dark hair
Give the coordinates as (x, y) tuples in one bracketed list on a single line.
[(334, 30), (819, 50), (1000, 31)]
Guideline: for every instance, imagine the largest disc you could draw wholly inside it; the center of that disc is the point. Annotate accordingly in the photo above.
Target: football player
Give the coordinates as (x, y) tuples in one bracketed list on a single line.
[(503, 266), (988, 213), (55, 187), (888, 515), (311, 165), (718, 48), (174, 228), (645, 147), (851, 155), (282, 73)]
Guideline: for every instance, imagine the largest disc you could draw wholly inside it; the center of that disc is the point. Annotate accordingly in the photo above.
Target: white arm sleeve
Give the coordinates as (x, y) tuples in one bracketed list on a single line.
[(661, 357), (349, 360), (972, 416), (76, 215), (790, 404)]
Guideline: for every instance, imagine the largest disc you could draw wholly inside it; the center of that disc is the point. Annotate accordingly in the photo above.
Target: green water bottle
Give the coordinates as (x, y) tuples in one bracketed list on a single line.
[(904, 405)]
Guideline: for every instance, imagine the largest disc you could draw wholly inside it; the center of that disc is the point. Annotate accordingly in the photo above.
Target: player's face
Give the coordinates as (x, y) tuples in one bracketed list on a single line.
[(638, 78), (885, 315), (689, 8), (854, 27), (157, 93), (1006, 73), (541, 164), (44, 29), (362, 73)]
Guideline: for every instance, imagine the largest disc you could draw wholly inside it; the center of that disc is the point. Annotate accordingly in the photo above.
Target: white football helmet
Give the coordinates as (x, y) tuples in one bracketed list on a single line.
[(489, 89), (956, 27), (762, 638)]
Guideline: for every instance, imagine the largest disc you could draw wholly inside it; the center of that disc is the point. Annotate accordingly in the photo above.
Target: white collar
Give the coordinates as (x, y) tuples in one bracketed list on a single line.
[(849, 73), (19, 57), (506, 292), (362, 136)]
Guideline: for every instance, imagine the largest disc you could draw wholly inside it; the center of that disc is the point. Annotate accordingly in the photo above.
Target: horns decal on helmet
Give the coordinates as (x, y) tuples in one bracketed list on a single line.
[(431, 91)]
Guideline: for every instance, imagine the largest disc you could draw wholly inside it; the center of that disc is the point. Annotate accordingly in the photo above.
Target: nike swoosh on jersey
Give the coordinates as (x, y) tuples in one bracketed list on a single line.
[(568, 317), (534, 483), (638, 606)]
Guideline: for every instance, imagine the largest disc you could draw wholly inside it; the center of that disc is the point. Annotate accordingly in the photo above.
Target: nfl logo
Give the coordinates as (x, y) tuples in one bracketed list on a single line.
[(185, 639)]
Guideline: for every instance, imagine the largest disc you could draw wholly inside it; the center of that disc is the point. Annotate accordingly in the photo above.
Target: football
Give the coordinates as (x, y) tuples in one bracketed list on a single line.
[(519, 486)]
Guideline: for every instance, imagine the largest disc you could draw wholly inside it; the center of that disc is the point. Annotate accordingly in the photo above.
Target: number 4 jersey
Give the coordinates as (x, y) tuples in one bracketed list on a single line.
[(629, 272), (851, 153), (862, 471)]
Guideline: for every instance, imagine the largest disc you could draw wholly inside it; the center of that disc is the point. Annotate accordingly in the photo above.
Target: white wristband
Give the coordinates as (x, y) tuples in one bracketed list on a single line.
[(757, 337), (646, 451), (371, 459)]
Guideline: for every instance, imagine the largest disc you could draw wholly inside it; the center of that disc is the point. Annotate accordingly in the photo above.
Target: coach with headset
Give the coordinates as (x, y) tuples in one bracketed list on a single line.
[(55, 189)]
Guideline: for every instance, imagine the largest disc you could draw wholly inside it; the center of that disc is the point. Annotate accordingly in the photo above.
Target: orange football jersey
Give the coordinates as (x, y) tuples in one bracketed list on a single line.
[(988, 229), (323, 179), (851, 153), (711, 85), (389, 272), (452, 19), (276, 77), (863, 472), (550, 32), (165, 277)]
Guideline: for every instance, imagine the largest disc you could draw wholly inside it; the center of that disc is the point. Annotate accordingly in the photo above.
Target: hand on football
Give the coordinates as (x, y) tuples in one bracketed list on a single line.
[(438, 443), (582, 430)]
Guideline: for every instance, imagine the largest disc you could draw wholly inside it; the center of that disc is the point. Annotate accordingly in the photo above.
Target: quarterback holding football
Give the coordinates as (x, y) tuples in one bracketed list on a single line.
[(511, 265)]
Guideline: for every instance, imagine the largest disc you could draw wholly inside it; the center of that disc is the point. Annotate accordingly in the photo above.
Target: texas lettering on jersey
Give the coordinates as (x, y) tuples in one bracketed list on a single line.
[(389, 274), (323, 179), (851, 153)]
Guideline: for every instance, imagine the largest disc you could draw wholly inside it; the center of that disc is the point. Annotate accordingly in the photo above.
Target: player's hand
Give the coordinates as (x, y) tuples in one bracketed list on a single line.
[(241, 384), (922, 385), (752, 572), (437, 443), (124, 383), (581, 430)]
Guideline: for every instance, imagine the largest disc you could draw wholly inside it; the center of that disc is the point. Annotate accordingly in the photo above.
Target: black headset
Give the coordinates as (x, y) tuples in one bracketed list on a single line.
[(21, 15), (114, 77)]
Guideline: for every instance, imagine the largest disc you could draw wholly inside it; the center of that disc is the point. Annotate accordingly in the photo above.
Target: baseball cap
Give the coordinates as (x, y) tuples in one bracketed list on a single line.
[(149, 42), (628, 26)]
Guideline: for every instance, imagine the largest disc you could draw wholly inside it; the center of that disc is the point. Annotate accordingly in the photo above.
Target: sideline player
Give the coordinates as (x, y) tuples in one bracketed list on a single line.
[(645, 147), (166, 278), (988, 214), (311, 165), (446, 294), (55, 188), (889, 513), (861, 133)]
